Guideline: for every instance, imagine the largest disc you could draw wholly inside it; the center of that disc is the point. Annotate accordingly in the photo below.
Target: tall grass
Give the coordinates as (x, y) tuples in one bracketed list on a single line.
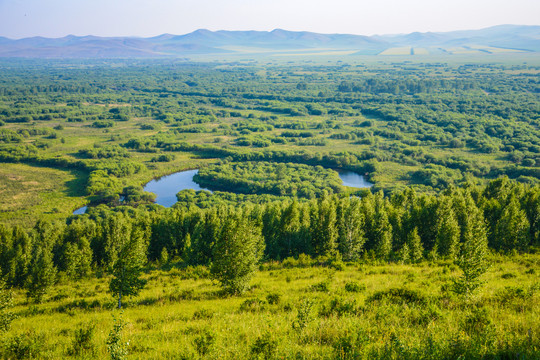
[(365, 311)]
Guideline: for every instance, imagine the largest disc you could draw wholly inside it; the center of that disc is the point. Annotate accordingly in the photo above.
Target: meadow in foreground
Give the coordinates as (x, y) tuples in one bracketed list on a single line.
[(294, 309)]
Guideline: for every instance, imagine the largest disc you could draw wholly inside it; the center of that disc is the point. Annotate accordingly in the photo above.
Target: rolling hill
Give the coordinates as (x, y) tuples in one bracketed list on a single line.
[(497, 39)]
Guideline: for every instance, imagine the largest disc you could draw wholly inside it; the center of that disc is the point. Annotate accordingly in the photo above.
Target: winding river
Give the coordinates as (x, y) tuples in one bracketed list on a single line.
[(166, 187)]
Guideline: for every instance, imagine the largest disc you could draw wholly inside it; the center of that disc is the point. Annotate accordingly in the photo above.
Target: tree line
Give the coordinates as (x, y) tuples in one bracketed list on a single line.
[(404, 227)]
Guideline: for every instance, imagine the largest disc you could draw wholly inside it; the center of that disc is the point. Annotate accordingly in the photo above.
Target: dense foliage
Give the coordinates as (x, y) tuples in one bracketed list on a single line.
[(269, 178), (426, 125), (458, 224)]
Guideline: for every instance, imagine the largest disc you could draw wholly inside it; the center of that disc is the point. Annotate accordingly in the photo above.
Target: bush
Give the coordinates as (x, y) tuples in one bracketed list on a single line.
[(477, 322), (204, 342), (399, 296), (191, 273), (273, 299), (24, 346), (203, 314), (303, 261), (339, 307), (115, 345), (252, 305), (323, 286), (186, 294), (304, 315), (355, 287), (84, 340), (511, 293), (265, 346), (346, 347)]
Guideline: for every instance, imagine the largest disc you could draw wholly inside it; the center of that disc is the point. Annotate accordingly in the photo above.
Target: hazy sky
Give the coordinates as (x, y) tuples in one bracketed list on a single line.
[(56, 18)]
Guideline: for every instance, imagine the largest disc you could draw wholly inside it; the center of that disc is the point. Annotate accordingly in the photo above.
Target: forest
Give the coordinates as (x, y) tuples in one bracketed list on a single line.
[(438, 260)]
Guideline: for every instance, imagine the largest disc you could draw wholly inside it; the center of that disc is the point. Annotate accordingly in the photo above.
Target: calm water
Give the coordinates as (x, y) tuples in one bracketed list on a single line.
[(353, 179), (167, 187), (80, 211)]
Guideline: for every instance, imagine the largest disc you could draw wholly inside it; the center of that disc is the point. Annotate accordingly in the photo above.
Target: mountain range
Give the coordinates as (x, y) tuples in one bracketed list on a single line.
[(493, 40)]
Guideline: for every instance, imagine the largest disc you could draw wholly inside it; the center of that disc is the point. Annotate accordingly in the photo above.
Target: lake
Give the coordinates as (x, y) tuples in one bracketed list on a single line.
[(353, 179), (166, 187)]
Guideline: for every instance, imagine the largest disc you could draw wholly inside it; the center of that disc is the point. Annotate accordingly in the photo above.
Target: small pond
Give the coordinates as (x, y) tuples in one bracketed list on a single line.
[(166, 187), (80, 210), (353, 179)]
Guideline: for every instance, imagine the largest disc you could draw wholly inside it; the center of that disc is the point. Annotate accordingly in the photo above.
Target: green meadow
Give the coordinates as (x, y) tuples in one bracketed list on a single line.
[(295, 309)]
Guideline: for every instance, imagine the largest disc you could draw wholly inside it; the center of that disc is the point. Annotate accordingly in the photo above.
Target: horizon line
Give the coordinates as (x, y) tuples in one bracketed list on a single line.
[(263, 31)]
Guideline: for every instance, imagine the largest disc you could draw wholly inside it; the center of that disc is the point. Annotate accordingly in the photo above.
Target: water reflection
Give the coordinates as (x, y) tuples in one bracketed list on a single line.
[(166, 187), (353, 179)]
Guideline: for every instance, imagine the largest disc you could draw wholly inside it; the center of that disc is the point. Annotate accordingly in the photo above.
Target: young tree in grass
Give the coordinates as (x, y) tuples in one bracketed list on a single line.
[(126, 258), (19, 266), (236, 253), (472, 259)]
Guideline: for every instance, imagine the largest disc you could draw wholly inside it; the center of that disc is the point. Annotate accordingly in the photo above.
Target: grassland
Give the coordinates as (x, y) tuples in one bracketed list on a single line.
[(29, 190), (350, 313)]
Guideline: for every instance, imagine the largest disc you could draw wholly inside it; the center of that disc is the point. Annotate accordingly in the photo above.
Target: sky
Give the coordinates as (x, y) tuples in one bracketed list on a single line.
[(58, 18)]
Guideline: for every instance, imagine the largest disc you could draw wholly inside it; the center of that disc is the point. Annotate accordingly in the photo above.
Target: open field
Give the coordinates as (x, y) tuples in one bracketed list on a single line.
[(180, 314), (29, 190)]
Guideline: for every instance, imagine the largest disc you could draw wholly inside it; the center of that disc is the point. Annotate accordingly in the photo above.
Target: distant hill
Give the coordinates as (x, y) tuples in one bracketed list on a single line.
[(497, 39)]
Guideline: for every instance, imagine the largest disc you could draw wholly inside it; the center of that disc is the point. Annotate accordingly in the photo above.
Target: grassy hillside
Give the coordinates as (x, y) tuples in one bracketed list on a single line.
[(295, 310)]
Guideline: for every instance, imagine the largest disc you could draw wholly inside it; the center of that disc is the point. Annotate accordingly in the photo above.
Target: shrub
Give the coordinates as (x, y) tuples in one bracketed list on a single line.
[(304, 315), (303, 261), (355, 287), (339, 307), (252, 305), (84, 340), (477, 322), (346, 347), (265, 346), (203, 314), (511, 293), (399, 296), (323, 286), (273, 298), (186, 294), (115, 345), (425, 316), (24, 346), (204, 342)]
